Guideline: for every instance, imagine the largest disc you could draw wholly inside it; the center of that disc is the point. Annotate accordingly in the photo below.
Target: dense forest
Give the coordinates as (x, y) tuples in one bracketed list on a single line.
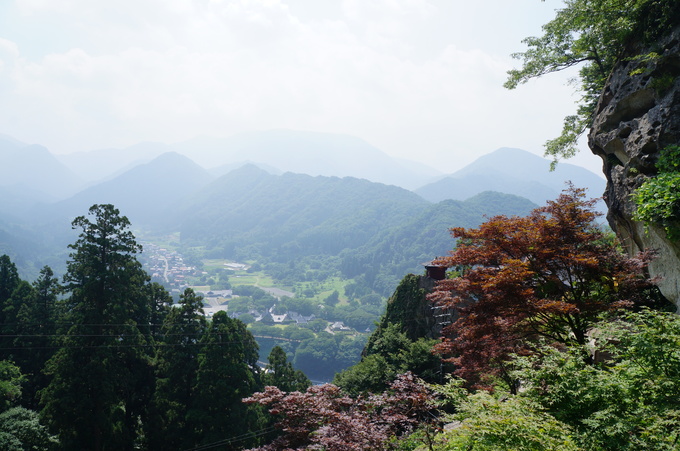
[(108, 364)]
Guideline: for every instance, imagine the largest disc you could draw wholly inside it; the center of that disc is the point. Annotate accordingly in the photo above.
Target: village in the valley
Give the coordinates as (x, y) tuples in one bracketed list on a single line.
[(168, 268)]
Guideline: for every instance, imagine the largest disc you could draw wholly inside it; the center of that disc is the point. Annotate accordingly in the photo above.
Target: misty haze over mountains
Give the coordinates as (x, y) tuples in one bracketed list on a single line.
[(202, 188), (512, 171), (147, 179), (36, 172), (276, 151)]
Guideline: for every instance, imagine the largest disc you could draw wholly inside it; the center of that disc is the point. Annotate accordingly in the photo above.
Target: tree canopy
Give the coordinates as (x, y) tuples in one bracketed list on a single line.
[(549, 274)]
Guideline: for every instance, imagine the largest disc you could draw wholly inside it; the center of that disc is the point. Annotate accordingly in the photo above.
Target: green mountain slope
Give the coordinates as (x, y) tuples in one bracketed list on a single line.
[(379, 232), (405, 246), (249, 211)]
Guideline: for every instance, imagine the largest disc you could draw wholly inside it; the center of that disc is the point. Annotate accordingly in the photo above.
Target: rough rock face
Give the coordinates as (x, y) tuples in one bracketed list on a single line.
[(637, 116)]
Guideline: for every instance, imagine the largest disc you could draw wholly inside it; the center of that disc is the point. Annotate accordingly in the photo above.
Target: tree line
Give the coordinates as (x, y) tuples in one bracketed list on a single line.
[(103, 361)]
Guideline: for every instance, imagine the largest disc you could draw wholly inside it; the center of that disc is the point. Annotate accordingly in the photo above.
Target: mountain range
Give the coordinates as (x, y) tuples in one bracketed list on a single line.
[(31, 174), (243, 209), (276, 151), (512, 171)]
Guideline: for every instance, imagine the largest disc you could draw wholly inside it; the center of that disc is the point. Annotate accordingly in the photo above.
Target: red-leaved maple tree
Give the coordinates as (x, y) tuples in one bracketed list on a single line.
[(549, 274), (327, 419)]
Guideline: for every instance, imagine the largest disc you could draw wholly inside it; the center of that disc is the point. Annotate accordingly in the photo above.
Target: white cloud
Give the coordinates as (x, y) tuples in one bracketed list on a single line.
[(167, 70)]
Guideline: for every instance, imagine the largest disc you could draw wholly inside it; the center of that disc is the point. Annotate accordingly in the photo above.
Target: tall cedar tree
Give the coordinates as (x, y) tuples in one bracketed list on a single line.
[(100, 375), (227, 373), (34, 334), (9, 281), (9, 278), (549, 274), (171, 425)]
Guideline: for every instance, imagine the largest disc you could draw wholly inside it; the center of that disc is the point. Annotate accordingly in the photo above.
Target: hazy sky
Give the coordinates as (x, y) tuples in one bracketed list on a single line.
[(419, 79)]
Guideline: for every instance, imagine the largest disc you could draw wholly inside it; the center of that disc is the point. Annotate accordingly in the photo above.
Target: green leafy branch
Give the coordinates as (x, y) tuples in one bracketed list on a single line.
[(594, 35), (658, 199)]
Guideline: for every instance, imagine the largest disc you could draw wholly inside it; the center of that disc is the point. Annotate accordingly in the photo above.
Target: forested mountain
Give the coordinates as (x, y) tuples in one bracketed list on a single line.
[(295, 213), (512, 171), (358, 227), (21, 244), (403, 248), (380, 232)]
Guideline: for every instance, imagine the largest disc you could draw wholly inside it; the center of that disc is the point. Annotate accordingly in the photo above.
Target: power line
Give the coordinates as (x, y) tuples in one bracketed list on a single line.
[(238, 438), (124, 345)]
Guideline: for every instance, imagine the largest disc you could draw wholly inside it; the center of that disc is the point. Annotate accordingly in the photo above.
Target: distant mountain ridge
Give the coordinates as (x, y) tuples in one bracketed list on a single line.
[(102, 164), (33, 169), (512, 171), (144, 193), (276, 151), (309, 153), (507, 170)]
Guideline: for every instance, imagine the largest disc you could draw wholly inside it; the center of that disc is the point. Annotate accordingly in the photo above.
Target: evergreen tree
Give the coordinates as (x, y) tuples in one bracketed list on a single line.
[(21, 294), (99, 377), (9, 281), (227, 373), (160, 301), (176, 369), (35, 328), (9, 278), (280, 373)]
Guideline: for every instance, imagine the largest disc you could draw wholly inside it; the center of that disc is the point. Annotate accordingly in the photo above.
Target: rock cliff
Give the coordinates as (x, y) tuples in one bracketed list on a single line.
[(637, 116)]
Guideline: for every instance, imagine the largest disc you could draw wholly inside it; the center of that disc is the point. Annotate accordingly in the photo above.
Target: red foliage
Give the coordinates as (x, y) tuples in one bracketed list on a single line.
[(549, 274), (325, 418)]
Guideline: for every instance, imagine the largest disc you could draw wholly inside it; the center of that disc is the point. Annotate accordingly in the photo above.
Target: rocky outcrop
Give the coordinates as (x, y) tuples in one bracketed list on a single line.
[(638, 115)]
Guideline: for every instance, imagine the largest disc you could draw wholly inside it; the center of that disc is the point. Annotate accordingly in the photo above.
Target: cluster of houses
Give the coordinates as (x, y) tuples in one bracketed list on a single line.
[(216, 300), (168, 267)]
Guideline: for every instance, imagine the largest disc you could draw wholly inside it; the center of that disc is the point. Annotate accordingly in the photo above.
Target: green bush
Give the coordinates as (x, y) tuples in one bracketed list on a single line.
[(487, 422), (658, 199)]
